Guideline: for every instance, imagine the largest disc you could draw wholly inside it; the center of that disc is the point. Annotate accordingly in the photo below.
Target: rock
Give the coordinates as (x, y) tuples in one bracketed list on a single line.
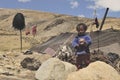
[(28, 52), (54, 69), (95, 71), (112, 56), (8, 73), (30, 63)]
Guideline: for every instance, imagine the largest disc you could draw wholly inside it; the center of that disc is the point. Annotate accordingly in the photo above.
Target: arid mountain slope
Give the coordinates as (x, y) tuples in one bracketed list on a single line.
[(48, 25)]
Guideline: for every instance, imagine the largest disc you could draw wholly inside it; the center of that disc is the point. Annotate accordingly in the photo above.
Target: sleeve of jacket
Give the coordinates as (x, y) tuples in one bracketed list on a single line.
[(88, 40), (75, 42)]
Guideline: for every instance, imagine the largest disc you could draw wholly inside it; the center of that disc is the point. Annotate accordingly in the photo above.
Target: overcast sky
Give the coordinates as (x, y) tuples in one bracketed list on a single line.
[(82, 8)]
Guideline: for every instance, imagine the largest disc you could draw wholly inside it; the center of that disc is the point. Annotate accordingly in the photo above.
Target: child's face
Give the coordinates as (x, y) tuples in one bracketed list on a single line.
[(81, 30)]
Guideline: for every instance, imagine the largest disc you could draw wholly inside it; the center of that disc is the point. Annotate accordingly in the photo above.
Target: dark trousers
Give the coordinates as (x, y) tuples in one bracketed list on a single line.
[(82, 60)]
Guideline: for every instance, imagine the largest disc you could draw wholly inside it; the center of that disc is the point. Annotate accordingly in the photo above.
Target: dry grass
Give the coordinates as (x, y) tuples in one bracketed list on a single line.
[(12, 42)]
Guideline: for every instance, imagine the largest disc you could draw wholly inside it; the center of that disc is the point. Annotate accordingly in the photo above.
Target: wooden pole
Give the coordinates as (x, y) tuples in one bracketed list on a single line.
[(20, 40)]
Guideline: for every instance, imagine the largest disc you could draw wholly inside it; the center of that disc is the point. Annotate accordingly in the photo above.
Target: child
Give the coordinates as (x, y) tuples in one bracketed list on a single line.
[(81, 43)]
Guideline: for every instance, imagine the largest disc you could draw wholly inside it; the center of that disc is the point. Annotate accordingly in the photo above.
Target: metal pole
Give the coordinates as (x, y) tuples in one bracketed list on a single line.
[(104, 19)]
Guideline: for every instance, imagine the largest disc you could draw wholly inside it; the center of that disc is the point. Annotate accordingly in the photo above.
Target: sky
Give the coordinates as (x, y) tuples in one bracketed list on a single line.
[(81, 8)]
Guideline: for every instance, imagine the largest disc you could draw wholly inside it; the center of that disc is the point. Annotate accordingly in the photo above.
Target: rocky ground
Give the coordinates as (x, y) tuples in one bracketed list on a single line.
[(11, 67), (20, 66)]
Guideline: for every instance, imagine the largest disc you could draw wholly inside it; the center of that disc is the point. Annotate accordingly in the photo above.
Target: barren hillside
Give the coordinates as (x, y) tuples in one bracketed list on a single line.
[(48, 25)]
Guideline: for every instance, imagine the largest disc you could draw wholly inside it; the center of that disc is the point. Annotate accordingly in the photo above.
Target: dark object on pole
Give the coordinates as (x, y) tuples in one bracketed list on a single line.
[(19, 24), (19, 21), (104, 19), (96, 22)]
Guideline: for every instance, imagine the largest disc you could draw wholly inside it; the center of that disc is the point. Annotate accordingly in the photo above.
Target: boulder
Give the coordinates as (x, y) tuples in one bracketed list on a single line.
[(30, 63), (54, 69), (95, 71)]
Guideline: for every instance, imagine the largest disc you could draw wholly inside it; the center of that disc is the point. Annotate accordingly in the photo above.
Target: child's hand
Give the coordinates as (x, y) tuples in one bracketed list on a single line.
[(82, 41)]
